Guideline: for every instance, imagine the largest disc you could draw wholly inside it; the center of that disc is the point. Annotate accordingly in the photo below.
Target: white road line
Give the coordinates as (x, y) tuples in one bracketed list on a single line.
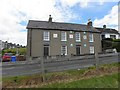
[(8, 68), (4, 73)]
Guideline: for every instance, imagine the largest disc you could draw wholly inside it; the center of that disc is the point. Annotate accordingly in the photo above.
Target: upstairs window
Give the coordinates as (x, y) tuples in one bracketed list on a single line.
[(90, 37), (77, 35), (46, 36), (63, 36)]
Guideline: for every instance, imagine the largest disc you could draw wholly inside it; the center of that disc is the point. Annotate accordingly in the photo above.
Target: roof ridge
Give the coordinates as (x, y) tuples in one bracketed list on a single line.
[(60, 26), (59, 22)]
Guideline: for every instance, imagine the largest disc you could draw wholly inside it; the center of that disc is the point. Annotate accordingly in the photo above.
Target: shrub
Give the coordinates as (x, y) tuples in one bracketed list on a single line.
[(21, 51), (116, 44)]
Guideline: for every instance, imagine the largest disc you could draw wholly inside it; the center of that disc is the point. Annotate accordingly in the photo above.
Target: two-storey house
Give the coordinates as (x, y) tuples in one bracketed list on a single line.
[(47, 38)]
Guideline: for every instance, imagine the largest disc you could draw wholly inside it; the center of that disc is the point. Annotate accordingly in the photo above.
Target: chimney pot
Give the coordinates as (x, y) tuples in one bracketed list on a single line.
[(104, 26), (89, 22), (50, 18)]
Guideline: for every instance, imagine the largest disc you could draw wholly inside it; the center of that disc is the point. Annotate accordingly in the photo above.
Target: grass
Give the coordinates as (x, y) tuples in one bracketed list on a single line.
[(107, 81), (70, 78)]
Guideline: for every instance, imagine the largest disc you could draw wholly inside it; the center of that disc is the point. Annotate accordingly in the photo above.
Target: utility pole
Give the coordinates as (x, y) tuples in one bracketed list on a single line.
[(17, 49)]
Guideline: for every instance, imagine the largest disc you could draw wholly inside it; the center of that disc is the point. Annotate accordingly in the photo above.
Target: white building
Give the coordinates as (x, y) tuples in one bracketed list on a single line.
[(1, 44), (108, 33)]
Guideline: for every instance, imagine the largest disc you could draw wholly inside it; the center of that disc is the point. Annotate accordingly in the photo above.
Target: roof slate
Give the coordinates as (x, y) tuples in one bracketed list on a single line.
[(33, 24)]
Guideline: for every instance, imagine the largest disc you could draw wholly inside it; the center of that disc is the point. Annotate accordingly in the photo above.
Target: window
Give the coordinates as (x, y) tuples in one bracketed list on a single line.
[(77, 37), (63, 36), (90, 37), (46, 36), (113, 36), (63, 50), (91, 49)]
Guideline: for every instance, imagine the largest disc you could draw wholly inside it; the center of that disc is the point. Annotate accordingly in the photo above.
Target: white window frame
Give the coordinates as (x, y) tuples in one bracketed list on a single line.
[(92, 50), (63, 36), (91, 37), (62, 50), (78, 38), (46, 36)]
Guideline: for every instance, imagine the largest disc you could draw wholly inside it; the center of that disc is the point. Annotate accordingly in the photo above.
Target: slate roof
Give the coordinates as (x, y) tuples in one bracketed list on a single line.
[(107, 30), (33, 24)]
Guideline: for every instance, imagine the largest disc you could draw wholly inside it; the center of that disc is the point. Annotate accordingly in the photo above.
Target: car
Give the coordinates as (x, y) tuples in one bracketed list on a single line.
[(7, 57)]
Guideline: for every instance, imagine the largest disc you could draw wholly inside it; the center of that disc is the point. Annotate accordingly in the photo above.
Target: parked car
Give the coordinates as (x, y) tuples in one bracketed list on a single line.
[(7, 57)]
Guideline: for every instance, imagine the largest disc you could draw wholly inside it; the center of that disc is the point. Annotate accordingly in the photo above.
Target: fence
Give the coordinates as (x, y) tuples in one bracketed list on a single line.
[(52, 64), (102, 58), (77, 62)]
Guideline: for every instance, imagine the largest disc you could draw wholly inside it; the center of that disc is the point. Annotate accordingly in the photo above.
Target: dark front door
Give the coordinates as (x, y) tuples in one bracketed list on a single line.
[(46, 50), (77, 50)]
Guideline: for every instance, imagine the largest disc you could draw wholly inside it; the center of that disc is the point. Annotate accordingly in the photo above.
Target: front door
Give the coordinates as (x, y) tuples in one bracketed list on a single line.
[(77, 49), (46, 50)]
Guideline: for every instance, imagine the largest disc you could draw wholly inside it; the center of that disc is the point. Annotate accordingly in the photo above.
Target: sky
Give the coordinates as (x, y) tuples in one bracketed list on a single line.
[(15, 14)]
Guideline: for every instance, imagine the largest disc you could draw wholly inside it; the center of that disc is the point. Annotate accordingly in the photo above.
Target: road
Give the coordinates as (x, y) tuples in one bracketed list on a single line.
[(28, 69)]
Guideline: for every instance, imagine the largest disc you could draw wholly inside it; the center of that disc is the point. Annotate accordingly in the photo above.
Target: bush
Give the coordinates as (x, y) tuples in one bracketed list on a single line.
[(107, 43), (116, 44), (21, 51), (111, 44)]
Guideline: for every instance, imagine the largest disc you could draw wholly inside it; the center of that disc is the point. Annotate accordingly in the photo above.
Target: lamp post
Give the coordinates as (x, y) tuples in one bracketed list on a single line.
[(17, 52)]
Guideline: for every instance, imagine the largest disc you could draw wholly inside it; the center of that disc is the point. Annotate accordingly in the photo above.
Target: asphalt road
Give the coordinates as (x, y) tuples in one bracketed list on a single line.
[(29, 69)]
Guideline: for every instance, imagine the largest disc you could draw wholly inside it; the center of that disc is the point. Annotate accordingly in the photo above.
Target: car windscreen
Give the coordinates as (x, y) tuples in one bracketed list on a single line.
[(8, 54)]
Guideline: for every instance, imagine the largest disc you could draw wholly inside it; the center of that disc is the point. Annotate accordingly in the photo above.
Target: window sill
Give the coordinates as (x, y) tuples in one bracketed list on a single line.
[(78, 41), (63, 40), (91, 41), (46, 40)]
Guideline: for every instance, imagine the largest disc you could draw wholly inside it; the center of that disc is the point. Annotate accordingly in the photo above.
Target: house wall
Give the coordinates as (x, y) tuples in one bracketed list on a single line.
[(97, 42), (35, 43)]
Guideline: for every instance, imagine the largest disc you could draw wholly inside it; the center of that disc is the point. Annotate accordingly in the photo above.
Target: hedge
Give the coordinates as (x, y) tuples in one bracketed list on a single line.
[(116, 44)]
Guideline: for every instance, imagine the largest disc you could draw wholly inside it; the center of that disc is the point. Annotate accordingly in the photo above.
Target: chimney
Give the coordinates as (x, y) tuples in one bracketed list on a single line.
[(104, 26), (50, 18), (89, 22)]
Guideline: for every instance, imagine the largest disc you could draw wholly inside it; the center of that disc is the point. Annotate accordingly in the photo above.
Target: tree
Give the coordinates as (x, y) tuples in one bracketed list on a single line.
[(21, 51)]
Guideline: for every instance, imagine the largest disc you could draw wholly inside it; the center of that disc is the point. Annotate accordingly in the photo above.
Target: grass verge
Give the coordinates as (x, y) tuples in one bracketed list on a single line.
[(69, 77), (107, 81)]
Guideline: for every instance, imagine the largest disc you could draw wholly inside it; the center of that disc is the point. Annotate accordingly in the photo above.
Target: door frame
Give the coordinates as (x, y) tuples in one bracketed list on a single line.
[(46, 45), (79, 48)]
